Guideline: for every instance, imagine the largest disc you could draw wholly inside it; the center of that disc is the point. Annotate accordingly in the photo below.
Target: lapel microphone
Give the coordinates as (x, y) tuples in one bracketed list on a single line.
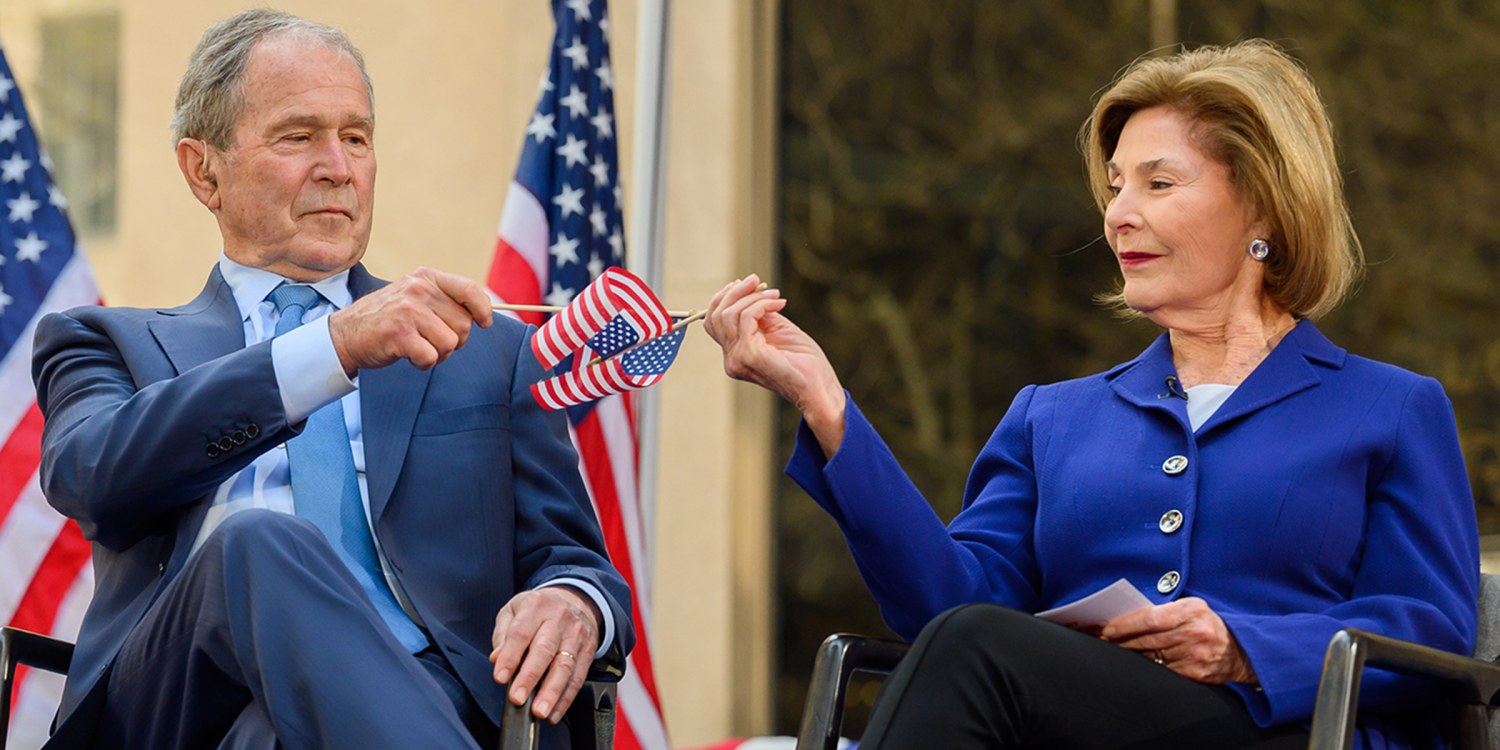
[(1173, 389)]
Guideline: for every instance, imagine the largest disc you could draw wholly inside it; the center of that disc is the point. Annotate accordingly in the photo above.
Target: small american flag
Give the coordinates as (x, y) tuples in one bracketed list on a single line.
[(560, 229), (45, 579)]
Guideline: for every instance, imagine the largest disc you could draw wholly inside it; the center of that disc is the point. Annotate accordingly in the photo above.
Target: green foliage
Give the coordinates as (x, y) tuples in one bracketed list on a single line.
[(938, 239)]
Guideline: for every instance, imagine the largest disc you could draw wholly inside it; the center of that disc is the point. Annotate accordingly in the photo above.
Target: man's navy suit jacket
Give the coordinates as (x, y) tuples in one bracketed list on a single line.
[(473, 488)]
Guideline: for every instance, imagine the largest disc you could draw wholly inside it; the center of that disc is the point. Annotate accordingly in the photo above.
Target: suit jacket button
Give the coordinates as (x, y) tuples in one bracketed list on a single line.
[(161, 568), (239, 437), (213, 450), (226, 443), (1168, 582), (1170, 521), (1175, 465), (252, 431)]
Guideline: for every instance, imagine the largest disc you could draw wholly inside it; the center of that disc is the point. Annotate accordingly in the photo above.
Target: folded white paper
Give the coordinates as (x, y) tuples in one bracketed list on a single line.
[(1092, 611)]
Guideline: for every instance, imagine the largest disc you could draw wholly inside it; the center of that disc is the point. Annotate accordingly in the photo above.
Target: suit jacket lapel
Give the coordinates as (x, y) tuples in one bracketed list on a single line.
[(1142, 381), (204, 329), (389, 399), (1287, 370)]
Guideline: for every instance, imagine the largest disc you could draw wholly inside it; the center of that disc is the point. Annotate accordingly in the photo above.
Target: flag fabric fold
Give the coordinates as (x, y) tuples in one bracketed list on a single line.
[(45, 578), (561, 229)]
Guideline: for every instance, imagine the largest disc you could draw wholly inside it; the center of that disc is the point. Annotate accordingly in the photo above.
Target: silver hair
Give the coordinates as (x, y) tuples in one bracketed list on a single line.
[(211, 96)]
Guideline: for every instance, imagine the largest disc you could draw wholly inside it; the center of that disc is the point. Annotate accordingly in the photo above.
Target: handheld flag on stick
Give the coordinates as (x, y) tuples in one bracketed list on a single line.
[(627, 329)]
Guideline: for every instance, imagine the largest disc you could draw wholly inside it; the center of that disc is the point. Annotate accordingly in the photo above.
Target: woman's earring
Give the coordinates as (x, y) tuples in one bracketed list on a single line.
[(1260, 249)]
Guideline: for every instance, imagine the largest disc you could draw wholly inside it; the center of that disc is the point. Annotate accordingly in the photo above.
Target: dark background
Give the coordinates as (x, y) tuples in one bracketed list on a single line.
[(937, 237)]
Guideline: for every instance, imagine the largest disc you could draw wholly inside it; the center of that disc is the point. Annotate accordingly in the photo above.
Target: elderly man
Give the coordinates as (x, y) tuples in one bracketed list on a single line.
[(325, 510)]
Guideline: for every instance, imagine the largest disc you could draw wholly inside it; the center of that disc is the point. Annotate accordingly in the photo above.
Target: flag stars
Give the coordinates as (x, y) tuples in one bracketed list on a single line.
[(595, 266), (606, 75), (545, 84), (30, 248), (581, 9), (5, 300), (576, 101), (578, 52), (604, 123), (617, 243), (14, 169), (6, 86), (599, 220), (541, 127), (55, 197), (564, 250), (23, 207), (560, 295), (569, 200), (600, 170), (9, 127), (575, 151)]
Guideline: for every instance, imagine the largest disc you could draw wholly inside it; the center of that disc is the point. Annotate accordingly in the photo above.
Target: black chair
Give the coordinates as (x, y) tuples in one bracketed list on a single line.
[(1474, 681), (592, 715), (840, 656), (18, 647)]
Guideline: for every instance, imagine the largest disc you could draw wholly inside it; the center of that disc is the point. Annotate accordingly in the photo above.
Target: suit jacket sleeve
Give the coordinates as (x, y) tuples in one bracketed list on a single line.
[(556, 536), (1415, 581), (123, 449), (915, 566)]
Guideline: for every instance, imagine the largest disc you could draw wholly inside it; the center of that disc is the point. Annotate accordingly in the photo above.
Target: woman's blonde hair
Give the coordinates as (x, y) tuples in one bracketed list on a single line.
[(1255, 111)]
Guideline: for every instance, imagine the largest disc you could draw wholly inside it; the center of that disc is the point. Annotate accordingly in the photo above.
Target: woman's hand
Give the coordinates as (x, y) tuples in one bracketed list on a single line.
[(762, 346), (1185, 636)]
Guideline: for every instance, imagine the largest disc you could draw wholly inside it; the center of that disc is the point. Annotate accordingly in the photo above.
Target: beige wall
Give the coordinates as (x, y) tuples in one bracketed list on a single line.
[(455, 82)]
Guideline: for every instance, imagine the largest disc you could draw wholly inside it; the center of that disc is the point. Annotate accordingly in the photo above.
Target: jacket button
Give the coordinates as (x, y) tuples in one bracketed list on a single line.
[(1168, 582), (239, 437), (226, 443), (161, 568), (252, 431), (1175, 465), (213, 450), (1170, 521)]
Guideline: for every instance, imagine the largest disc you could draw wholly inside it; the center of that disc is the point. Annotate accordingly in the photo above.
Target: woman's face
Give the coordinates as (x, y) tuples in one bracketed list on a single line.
[(1177, 225)]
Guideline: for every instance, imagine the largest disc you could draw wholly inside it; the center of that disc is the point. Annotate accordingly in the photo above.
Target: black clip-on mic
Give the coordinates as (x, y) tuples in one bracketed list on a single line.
[(1173, 389)]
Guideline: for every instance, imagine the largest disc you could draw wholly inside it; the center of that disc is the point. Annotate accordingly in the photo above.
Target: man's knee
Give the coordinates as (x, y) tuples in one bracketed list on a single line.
[(256, 532)]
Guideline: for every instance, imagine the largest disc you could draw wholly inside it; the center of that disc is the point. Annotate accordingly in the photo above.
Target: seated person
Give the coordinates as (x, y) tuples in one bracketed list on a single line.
[(359, 532), (1263, 487)]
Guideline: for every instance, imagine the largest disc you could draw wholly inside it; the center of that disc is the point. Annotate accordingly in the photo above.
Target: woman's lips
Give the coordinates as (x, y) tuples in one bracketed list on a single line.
[(1130, 260)]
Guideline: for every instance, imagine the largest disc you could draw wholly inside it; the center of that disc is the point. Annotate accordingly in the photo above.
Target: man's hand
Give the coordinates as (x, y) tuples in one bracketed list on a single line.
[(552, 631), (424, 317), (1185, 636)]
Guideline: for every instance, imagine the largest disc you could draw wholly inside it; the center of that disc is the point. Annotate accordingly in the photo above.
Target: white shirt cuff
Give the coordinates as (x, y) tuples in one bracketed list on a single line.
[(308, 371), (604, 610)]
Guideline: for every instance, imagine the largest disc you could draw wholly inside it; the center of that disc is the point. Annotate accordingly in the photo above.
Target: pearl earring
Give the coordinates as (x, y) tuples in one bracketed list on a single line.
[(1260, 249)]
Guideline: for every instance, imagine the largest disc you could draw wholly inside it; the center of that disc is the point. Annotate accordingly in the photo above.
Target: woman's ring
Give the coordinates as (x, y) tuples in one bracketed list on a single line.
[(561, 652), (1158, 657)]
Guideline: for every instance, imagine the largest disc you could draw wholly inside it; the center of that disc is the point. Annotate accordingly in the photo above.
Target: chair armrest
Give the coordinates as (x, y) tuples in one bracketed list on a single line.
[(19, 647), (840, 656), (592, 713), (1475, 682)]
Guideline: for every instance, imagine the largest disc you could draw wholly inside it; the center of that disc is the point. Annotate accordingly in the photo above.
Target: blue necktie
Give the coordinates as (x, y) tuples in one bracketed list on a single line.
[(326, 490)]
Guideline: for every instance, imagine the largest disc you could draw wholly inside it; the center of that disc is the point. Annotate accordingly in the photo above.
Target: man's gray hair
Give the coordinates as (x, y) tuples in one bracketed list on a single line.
[(211, 96)]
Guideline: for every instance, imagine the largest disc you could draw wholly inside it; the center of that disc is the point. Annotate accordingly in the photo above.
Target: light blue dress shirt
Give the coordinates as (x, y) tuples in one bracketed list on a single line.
[(309, 376)]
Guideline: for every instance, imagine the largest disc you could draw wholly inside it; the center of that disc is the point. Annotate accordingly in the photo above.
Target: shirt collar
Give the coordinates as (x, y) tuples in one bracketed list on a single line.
[(251, 286)]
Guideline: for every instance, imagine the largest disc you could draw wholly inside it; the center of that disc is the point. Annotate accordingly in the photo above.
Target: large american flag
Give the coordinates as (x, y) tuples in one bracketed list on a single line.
[(45, 578), (559, 229)]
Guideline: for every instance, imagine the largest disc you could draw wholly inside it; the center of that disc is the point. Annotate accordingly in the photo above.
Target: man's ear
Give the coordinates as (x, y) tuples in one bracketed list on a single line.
[(197, 162)]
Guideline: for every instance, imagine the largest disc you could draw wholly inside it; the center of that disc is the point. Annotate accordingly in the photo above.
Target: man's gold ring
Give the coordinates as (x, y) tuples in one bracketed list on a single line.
[(1158, 657), (561, 652)]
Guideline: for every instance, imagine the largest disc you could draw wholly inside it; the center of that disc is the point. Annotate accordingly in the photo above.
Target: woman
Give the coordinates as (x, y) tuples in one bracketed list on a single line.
[(1261, 486)]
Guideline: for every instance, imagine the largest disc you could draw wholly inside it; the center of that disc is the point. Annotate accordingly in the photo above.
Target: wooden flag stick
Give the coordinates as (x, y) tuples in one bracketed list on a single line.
[(555, 308)]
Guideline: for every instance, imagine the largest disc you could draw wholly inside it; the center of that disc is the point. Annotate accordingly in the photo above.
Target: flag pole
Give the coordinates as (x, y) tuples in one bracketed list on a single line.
[(645, 246)]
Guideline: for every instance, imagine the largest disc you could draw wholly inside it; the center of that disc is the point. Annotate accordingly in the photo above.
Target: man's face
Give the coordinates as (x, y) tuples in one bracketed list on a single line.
[(296, 189)]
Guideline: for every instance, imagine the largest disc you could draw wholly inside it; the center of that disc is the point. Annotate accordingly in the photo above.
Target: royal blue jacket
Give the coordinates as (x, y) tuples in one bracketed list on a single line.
[(1328, 492)]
